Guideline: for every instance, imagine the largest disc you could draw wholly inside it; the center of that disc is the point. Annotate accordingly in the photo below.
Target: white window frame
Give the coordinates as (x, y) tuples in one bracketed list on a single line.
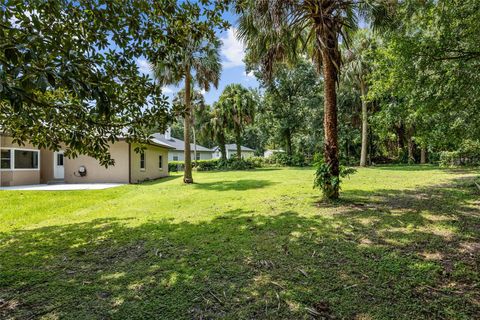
[(173, 157), (144, 161), (12, 159)]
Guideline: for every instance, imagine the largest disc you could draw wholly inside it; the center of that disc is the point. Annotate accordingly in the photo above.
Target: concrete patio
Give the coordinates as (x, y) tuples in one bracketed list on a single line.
[(64, 187)]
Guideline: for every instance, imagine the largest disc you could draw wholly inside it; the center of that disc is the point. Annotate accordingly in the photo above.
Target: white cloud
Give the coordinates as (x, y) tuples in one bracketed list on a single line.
[(233, 51), (144, 66)]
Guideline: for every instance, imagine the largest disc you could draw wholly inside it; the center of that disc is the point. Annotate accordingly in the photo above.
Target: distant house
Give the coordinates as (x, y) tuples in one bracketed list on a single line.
[(178, 148), (269, 153), (231, 150), (27, 165)]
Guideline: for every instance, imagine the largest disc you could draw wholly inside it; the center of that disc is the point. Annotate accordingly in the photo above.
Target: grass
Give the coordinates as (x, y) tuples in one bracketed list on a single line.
[(403, 243)]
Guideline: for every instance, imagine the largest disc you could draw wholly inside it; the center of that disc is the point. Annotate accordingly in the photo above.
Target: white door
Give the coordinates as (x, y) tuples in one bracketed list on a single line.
[(58, 168)]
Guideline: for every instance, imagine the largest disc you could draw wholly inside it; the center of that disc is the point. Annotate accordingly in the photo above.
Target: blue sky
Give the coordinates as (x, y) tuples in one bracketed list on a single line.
[(233, 71)]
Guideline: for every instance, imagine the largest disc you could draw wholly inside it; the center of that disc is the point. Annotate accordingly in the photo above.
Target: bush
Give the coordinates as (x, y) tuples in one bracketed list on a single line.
[(256, 162), (175, 166), (278, 159), (218, 164), (283, 159), (206, 165), (236, 164), (467, 155), (325, 181)]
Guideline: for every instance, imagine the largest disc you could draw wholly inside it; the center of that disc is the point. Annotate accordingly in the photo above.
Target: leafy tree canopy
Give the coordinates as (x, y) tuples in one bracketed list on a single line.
[(426, 71), (68, 69)]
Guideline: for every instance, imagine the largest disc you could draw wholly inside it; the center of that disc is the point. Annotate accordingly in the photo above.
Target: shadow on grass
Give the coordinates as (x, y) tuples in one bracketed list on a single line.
[(237, 185), (416, 249)]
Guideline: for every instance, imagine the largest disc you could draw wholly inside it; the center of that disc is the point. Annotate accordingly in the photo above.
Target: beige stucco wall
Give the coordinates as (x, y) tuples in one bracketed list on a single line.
[(151, 164), (97, 173), (18, 177), (46, 166)]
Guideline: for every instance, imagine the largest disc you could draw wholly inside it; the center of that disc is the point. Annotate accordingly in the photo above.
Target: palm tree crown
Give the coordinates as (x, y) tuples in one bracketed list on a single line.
[(238, 108)]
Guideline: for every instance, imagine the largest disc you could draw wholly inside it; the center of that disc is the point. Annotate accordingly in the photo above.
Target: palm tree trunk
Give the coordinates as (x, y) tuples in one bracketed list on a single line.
[(364, 151), (187, 175), (330, 122)]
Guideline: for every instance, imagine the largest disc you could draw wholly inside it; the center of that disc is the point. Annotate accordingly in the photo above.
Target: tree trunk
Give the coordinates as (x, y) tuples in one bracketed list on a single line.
[(194, 146), (364, 151), (400, 139), (411, 158), (330, 119), (187, 175), (223, 149), (289, 143), (423, 155), (238, 140)]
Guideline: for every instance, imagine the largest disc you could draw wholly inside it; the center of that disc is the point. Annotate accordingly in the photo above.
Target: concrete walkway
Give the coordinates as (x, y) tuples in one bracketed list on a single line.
[(64, 187)]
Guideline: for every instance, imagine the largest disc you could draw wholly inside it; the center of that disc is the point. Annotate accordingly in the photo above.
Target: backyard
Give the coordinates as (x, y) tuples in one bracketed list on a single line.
[(402, 243)]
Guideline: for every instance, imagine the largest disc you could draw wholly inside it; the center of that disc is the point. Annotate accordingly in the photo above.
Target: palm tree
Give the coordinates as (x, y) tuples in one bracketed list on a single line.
[(358, 65), (238, 107), (277, 30), (215, 128), (198, 62)]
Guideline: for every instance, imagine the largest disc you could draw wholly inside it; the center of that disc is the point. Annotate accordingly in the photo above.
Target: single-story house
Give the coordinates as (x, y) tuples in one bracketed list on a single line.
[(231, 150), (177, 152), (27, 165)]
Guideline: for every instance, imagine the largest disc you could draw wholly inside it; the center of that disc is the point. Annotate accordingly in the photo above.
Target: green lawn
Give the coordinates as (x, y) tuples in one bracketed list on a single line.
[(403, 243)]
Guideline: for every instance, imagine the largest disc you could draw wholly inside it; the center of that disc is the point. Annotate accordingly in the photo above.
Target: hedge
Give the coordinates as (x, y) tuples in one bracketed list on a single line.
[(218, 164), (467, 155), (279, 159)]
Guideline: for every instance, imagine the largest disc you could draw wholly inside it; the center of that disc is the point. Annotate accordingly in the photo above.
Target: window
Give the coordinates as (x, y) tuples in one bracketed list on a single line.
[(175, 158), (18, 159), (59, 159), (142, 161), (26, 159), (6, 159), (160, 162), (198, 156)]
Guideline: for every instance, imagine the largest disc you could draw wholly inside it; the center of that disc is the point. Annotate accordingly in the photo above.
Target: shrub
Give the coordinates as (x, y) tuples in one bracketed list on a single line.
[(325, 181), (218, 164), (283, 159), (175, 166), (256, 162), (206, 165), (467, 154), (238, 164)]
